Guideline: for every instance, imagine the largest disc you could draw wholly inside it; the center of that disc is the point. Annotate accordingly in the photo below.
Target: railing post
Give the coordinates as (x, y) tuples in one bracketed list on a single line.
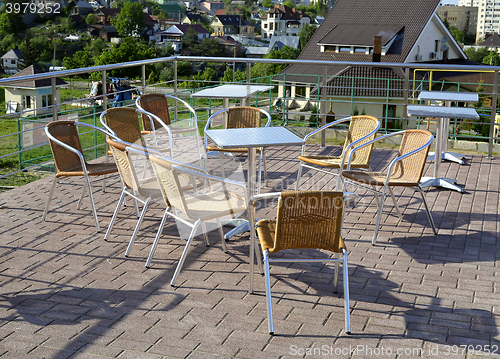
[(248, 72), (323, 104), (143, 74), (494, 99), (406, 90), (55, 100), (175, 77), (104, 91)]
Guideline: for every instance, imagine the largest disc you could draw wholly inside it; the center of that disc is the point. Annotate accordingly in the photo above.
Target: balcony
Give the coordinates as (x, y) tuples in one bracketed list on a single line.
[(67, 292)]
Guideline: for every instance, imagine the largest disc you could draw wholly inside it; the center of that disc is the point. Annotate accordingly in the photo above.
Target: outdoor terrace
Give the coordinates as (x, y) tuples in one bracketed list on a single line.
[(67, 293)]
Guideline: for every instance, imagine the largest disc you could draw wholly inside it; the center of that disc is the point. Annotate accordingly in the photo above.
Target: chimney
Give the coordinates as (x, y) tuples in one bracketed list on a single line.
[(377, 49)]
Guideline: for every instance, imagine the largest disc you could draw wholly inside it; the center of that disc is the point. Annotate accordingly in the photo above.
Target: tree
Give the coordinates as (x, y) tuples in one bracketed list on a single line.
[(78, 60), (476, 55), (91, 19), (493, 58), (457, 35), (262, 69), (128, 50), (305, 34), (130, 20), (11, 23), (30, 55), (267, 3)]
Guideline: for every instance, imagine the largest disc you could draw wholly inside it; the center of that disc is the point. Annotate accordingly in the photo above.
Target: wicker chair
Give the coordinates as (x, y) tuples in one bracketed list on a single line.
[(124, 124), (404, 171), (157, 104), (305, 220), (126, 157), (361, 129), (199, 208), (69, 160), (239, 117)]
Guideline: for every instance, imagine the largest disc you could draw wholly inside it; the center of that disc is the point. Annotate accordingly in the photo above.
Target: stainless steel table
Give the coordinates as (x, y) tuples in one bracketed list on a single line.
[(252, 138), (232, 91), (441, 112), (448, 97)]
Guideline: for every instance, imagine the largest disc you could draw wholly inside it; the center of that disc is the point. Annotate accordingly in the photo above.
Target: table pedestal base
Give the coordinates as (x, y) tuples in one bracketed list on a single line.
[(448, 156), (240, 225), (440, 182)]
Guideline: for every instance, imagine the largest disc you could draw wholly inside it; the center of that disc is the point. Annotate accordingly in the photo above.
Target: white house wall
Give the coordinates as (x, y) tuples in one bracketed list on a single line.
[(426, 44)]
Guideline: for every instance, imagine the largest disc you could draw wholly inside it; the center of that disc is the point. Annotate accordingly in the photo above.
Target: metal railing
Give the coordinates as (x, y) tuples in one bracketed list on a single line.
[(306, 108)]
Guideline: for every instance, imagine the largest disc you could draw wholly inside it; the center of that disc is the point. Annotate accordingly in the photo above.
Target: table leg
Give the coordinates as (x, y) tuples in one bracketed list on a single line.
[(251, 183), (436, 181)]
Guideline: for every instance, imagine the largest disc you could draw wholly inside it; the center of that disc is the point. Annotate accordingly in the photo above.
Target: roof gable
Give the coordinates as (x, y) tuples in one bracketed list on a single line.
[(13, 54), (492, 40), (33, 70)]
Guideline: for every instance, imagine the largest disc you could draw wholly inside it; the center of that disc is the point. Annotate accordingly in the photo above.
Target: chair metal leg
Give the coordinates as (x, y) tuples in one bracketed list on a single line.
[(221, 232), (260, 172), (50, 198), (429, 215), (395, 203), (336, 275), (81, 195), (299, 173), (183, 256), (346, 294), (268, 293), (379, 215), (87, 181), (122, 196), (158, 234), (144, 209), (205, 235)]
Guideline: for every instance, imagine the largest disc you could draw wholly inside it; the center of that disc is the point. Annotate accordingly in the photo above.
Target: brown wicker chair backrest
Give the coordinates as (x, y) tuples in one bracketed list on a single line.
[(124, 165), (157, 105), (309, 219), (410, 169), (243, 117), (125, 123), (360, 126), (66, 132)]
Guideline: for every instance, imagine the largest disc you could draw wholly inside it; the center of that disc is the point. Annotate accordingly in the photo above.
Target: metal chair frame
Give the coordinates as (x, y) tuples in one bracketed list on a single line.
[(387, 183), (202, 175), (267, 259), (346, 150), (172, 125), (83, 163)]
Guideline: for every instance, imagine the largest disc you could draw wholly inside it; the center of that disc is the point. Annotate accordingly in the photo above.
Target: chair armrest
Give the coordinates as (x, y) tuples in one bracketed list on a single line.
[(268, 123), (254, 199), (201, 173), (95, 128)]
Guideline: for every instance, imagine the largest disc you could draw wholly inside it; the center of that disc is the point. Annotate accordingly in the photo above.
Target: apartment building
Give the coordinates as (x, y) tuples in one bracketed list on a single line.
[(464, 18), (488, 18)]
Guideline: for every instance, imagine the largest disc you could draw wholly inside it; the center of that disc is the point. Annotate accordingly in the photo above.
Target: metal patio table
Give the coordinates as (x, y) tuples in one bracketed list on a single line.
[(441, 112), (448, 97), (252, 138)]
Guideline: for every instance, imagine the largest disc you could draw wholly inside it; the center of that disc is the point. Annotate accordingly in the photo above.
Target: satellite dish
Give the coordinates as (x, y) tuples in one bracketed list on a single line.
[(444, 47), (444, 39)]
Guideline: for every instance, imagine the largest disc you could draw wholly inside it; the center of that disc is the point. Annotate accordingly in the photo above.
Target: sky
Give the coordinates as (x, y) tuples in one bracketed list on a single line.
[(449, 2)]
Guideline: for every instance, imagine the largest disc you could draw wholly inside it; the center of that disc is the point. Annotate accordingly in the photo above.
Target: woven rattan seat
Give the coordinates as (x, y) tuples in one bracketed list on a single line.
[(69, 160), (305, 220), (198, 207), (404, 171), (239, 117), (362, 128)]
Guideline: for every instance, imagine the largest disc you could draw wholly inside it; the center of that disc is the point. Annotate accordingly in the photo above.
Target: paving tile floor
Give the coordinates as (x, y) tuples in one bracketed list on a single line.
[(67, 293)]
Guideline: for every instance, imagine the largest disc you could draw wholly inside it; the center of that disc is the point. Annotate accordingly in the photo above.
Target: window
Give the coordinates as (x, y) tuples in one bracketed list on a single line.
[(271, 26), (344, 49), (360, 50), (46, 100), (26, 102), (13, 62)]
